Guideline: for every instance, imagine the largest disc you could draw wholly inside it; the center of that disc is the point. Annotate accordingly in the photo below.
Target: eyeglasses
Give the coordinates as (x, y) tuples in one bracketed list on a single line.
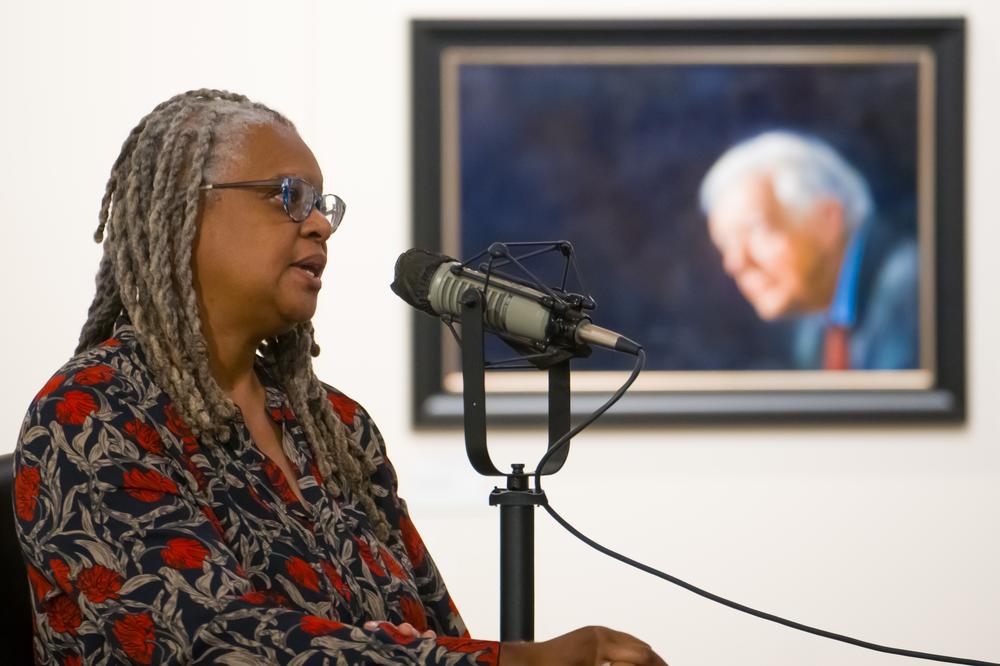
[(298, 197)]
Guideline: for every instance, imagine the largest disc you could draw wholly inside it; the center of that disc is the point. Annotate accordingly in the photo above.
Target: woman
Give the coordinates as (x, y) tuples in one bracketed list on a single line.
[(187, 491)]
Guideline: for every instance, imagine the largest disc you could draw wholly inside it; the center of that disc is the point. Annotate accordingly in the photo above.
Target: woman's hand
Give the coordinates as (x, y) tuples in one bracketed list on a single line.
[(405, 628), (588, 646)]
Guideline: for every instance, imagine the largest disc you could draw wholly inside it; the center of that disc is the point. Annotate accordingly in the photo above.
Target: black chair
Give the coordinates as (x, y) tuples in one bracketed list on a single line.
[(15, 631)]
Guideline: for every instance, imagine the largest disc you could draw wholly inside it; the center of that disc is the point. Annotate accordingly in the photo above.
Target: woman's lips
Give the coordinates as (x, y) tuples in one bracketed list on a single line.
[(310, 279)]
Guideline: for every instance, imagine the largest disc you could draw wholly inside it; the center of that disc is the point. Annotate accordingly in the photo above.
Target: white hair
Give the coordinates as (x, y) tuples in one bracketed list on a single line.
[(230, 133), (802, 169)]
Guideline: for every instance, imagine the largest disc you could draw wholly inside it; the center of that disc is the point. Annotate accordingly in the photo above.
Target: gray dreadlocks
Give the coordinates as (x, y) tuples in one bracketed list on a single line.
[(150, 210)]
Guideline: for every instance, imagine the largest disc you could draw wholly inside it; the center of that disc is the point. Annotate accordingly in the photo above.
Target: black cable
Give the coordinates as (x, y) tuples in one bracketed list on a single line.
[(756, 613), (562, 441), (640, 361)]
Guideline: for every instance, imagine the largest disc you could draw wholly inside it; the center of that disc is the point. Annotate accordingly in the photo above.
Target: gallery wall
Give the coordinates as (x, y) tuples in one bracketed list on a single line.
[(888, 533)]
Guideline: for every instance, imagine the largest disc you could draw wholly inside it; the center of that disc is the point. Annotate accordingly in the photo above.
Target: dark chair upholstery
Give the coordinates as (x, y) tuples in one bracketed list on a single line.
[(15, 630)]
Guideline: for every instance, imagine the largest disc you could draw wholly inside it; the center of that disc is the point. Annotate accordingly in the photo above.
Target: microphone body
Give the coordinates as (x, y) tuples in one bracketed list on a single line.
[(435, 284), (509, 307)]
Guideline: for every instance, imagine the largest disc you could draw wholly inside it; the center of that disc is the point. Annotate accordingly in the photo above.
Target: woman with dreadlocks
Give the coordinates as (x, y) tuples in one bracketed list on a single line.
[(187, 490)]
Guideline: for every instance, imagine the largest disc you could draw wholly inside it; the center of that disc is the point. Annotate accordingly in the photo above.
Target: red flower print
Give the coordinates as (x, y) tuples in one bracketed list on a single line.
[(147, 486), (98, 374), (26, 492), (470, 645), (199, 476), (111, 342), (71, 660), (279, 414), (135, 633), (50, 386), (466, 645), (254, 597), (336, 580), (391, 564), (259, 597), (60, 571), (214, 519), (303, 574), (175, 423), (38, 583), (317, 626), (63, 614), (144, 435), (411, 541), (75, 407), (179, 427), (183, 553), (413, 612), (279, 481), (369, 559), (99, 583), (276, 597), (343, 406)]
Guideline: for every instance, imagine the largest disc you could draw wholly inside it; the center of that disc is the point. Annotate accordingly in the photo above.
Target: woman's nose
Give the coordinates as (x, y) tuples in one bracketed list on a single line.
[(317, 225)]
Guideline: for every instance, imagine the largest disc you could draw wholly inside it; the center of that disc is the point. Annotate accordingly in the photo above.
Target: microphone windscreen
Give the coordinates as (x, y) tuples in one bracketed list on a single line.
[(412, 279)]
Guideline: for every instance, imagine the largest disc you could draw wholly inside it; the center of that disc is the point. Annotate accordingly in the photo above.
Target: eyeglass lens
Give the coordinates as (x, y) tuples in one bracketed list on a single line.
[(299, 197)]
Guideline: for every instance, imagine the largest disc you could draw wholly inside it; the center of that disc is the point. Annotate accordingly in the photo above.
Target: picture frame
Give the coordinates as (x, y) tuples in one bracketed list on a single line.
[(600, 133)]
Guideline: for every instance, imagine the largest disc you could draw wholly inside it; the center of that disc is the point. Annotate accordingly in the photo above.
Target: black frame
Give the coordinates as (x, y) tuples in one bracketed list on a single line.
[(945, 401)]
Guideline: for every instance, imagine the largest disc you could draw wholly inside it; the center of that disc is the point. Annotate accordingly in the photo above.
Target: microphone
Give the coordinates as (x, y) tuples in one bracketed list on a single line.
[(435, 283)]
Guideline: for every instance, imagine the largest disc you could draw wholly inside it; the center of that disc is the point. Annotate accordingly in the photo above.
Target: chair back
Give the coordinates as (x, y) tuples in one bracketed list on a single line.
[(15, 630)]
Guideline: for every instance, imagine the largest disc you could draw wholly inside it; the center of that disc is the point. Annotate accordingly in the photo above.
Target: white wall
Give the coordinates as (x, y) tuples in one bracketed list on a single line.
[(887, 533)]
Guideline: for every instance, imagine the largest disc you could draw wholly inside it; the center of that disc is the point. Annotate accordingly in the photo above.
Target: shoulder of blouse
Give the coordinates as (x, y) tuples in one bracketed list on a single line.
[(110, 372), (348, 409)]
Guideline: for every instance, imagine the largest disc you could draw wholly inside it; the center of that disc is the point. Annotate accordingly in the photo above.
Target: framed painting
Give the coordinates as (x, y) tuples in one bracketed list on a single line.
[(773, 209)]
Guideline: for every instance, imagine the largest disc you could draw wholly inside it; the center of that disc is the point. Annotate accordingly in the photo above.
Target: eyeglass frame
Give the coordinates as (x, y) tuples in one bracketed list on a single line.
[(284, 183)]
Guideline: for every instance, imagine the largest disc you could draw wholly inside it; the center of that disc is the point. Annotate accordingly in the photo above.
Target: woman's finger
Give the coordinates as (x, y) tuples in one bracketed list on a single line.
[(405, 628), (627, 649), (408, 628)]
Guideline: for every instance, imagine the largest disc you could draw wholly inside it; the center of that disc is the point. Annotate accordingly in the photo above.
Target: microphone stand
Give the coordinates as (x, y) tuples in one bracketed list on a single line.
[(517, 501)]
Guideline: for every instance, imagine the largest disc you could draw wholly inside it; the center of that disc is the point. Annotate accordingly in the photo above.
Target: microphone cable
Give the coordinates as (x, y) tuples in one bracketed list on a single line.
[(562, 441)]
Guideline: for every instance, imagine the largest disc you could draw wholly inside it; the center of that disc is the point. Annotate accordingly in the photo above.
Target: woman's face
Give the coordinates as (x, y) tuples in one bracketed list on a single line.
[(247, 246)]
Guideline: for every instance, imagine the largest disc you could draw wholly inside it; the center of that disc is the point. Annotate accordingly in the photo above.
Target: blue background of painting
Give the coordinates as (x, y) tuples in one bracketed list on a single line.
[(611, 157)]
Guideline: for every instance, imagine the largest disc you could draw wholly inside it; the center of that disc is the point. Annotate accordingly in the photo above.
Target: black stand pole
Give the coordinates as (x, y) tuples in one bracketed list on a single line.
[(517, 556), (517, 501)]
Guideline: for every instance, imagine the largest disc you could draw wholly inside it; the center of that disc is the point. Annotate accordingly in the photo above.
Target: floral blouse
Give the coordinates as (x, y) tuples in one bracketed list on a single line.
[(142, 546)]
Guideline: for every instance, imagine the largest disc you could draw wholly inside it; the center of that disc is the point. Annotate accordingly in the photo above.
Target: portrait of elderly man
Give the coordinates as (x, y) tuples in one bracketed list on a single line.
[(798, 231)]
